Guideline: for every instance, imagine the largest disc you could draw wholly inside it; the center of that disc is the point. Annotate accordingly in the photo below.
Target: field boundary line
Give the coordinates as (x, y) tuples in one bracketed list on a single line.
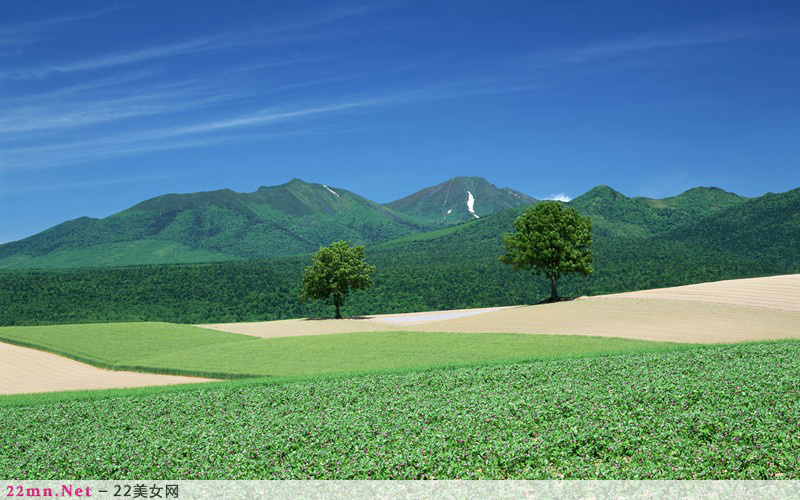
[(98, 363)]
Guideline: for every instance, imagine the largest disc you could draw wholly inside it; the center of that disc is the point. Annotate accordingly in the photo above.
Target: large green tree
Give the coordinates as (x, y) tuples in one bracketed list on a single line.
[(552, 240), (334, 272)]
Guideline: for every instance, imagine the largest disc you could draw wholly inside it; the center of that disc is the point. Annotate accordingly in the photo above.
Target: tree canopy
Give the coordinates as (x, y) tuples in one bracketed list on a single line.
[(335, 271), (551, 240)]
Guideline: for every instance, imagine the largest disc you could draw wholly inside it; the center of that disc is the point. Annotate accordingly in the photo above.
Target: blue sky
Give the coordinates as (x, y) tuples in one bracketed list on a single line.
[(105, 104)]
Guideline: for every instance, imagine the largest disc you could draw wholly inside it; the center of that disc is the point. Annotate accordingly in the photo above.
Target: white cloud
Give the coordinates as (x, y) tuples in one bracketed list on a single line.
[(559, 197)]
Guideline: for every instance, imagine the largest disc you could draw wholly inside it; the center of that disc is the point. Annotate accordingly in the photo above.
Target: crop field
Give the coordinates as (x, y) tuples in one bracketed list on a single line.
[(709, 412), (188, 350)]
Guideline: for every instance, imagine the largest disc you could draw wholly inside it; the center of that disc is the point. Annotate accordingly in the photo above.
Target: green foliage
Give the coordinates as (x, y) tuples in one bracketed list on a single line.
[(335, 271), (137, 252), (551, 240), (451, 268), (187, 350), (720, 412)]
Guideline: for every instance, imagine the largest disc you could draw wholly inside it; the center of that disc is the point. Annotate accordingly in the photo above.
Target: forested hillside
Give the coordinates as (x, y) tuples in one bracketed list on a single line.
[(765, 228), (299, 217), (455, 267), (292, 218), (614, 214)]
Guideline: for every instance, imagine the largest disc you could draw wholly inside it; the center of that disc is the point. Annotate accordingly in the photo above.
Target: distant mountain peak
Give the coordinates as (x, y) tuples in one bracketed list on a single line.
[(704, 190), (474, 178), (604, 190), (459, 199)]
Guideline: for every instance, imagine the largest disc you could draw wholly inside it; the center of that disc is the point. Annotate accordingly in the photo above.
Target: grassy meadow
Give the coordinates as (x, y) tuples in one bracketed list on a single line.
[(710, 412), (190, 350)]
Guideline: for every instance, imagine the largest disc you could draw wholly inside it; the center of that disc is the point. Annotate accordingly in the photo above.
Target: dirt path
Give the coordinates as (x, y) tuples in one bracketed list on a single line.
[(24, 370), (724, 311), (378, 323)]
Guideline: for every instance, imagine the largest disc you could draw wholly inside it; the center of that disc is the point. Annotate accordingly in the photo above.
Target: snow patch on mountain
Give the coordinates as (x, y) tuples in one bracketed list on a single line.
[(331, 190), (471, 204)]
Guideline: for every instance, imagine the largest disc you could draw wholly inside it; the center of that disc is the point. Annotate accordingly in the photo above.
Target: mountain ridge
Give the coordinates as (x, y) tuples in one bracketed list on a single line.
[(298, 217), (449, 268)]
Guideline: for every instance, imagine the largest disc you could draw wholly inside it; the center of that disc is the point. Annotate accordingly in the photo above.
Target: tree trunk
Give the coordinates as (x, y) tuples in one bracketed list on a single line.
[(553, 291), (338, 314)]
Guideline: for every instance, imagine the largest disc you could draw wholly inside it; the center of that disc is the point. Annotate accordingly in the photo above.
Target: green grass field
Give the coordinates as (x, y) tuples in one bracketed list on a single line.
[(189, 350), (710, 412)]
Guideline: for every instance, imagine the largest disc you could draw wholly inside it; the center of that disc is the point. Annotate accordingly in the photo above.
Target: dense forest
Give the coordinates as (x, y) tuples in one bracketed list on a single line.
[(455, 267)]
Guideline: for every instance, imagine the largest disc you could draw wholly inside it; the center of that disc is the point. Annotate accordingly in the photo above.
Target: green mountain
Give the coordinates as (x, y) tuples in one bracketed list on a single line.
[(449, 268), (767, 227), (459, 199), (296, 217), (614, 214)]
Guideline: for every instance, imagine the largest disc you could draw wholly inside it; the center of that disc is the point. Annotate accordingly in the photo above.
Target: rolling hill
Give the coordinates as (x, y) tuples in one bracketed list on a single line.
[(767, 227), (614, 214)]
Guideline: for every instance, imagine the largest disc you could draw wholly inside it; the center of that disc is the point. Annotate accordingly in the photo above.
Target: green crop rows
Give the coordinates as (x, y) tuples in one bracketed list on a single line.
[(721, 412)]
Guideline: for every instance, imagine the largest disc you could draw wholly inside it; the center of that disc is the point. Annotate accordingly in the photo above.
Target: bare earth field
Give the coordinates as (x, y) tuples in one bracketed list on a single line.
[(725, 311), (775, 292), (24, 370)]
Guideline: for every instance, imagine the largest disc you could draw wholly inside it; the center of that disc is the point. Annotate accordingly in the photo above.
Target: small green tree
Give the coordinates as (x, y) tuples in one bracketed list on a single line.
[(552, 240), (334, 272)]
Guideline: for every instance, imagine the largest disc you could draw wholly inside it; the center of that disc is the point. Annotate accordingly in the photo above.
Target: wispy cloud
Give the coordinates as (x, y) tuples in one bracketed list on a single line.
[(257, 119), (72, 153), (29, 33), (82, 184), (54, 154), (296, 32), (559, 197), (196, 45), (68, 114), (178, 137), (80, 88), (706, 35)]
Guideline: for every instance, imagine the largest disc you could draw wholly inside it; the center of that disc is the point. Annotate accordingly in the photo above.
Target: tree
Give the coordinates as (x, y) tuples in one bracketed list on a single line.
[(334, 272), (552, 240)]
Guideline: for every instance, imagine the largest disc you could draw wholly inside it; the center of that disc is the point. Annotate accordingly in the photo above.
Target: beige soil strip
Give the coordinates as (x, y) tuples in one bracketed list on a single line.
[(24, 370), (646, 319), (725, 311), (774, 292)]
